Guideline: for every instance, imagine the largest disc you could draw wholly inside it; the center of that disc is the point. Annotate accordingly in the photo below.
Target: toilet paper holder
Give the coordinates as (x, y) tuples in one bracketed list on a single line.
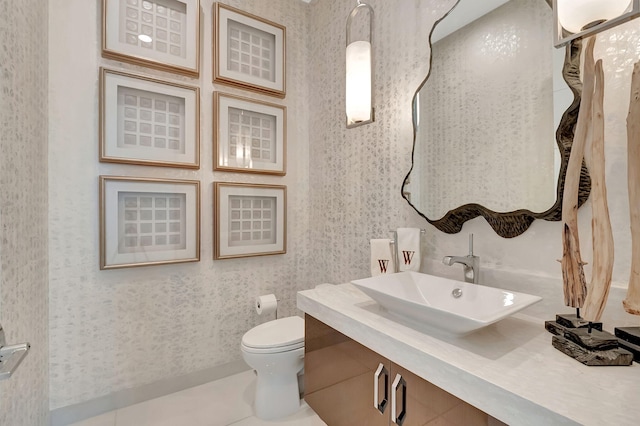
[(10, 356), (259, 304)]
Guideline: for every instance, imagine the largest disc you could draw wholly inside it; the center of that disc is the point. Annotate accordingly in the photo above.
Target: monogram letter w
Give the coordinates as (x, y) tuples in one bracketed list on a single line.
[(408, 256)]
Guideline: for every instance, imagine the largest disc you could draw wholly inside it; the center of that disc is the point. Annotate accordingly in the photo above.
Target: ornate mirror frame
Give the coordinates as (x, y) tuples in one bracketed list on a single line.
[(513, 223)]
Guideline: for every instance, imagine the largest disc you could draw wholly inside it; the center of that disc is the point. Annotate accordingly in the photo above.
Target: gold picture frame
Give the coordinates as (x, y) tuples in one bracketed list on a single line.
[(148, 221), (250, 136), (148, 121), (248, 51), (162, 34), (250, 220)]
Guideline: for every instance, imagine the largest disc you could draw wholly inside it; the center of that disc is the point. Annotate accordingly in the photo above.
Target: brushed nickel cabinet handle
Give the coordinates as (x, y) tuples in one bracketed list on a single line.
[(380, 405), (400, 418)]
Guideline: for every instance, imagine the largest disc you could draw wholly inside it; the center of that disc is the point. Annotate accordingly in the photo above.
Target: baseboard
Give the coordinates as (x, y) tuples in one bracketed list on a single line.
[(74, 413)]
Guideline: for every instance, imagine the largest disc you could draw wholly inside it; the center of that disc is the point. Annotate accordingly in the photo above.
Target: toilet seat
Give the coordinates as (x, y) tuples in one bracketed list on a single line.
[(275, 336), (275, 350)]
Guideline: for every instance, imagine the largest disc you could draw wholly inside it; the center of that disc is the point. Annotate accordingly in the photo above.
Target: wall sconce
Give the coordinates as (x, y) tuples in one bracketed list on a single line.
[(583, 18), (359, 93)]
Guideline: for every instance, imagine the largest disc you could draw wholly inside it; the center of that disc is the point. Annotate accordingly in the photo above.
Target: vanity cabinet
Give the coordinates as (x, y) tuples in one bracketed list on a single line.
[(348, 384)]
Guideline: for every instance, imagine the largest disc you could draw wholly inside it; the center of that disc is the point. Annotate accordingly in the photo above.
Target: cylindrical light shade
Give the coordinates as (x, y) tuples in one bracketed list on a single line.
[(574, 15), (358, 96)]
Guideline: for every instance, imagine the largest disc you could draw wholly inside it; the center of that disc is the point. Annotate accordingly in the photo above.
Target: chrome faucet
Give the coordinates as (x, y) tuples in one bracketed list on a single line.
[(470, 263)]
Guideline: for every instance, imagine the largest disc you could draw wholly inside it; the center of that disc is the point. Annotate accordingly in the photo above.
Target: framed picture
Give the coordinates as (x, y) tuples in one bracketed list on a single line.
[(148, 221), (146, 121), (250, 220), (248, 51), (251, 135), (163, 34)]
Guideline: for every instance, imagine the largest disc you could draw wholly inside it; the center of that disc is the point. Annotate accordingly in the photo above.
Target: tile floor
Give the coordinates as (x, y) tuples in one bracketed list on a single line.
[(223, 402)]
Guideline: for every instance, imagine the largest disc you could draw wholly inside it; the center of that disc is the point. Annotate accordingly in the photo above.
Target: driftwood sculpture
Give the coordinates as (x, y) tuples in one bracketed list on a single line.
[(602, 235), (575, 287), (632, 302)]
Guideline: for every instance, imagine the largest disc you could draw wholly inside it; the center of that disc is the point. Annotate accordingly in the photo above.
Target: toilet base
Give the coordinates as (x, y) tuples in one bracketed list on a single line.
[(301, 383), (275, 349), (277, 396)]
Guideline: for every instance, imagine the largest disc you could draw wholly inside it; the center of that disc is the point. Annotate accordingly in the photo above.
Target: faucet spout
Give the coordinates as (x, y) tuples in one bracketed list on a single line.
[(470, 263), (450, 260)]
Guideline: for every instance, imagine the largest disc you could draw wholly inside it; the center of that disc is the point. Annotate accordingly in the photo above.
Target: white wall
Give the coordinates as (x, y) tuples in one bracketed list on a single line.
[(23, 207), (359, 172), (121, 329)]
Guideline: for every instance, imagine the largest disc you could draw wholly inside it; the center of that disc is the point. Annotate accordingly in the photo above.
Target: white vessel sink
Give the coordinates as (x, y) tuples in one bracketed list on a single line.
[(430, 300)]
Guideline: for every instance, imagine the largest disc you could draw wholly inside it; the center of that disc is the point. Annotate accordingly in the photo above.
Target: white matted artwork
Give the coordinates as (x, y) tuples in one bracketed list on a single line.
[(250, 220), (249, 51), (148, 221), (146, 121), (163, 34), (250, 135)]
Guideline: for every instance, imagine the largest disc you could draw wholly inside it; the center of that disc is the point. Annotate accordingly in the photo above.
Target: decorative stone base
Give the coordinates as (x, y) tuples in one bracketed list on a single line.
[(630, 334), (554, 328), (572, 321), (595, 341), (592, 358), (587, 343), (629, 339), (558, 329)]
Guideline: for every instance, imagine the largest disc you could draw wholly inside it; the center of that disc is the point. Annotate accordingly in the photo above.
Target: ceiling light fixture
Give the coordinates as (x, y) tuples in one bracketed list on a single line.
[(583, 18)]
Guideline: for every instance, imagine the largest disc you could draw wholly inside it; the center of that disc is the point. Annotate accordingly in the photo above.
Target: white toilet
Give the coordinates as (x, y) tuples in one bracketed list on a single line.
[(275, 350)]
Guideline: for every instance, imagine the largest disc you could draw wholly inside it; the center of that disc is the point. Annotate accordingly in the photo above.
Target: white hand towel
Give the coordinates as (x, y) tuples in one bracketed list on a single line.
[(382, 257), (409, 249)]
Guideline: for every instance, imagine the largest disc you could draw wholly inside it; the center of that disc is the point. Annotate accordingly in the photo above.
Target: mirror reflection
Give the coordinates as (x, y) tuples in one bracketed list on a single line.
[(485, 117)]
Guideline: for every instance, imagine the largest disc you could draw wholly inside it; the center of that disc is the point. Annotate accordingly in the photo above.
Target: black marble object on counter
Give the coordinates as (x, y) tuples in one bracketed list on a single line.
[(630, 334), (554, 328), (595, 340), (569, 322), (587, 342), (590, 357), (572, 321), (558, 329), (634, 349), (629, 338)]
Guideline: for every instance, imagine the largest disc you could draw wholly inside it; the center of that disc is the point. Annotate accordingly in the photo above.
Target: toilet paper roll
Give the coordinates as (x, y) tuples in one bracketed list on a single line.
[(266, 304)]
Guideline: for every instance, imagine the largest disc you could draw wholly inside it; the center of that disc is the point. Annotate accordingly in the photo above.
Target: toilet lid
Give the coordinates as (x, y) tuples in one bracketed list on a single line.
[(281, 332)]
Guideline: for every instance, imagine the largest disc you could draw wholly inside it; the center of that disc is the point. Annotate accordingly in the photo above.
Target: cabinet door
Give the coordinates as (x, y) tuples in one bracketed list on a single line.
[(427, 405), (339, 378)]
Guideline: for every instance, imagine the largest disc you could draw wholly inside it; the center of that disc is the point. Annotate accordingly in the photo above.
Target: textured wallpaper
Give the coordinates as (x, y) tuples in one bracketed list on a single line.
[(119, 329), (23, 208), (357, 173)]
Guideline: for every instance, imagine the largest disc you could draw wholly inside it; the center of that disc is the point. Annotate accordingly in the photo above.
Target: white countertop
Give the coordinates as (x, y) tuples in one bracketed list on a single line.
[(509, 370)]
